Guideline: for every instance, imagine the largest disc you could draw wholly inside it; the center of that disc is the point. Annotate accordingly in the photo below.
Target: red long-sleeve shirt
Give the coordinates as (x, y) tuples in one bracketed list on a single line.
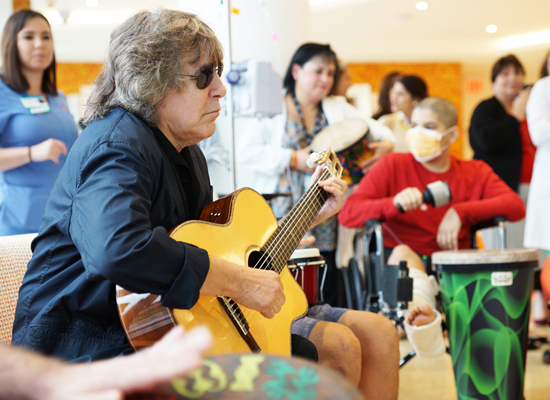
[(528, 153), (478, 194)]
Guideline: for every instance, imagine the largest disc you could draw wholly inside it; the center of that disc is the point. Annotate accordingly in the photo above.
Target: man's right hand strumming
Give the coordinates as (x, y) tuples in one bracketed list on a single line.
[(257, 289)]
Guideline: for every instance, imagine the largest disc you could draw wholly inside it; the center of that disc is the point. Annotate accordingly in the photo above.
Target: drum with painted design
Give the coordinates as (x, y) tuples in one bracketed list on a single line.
[(254, 376), (305, 265), (349, 139), (486, 300)]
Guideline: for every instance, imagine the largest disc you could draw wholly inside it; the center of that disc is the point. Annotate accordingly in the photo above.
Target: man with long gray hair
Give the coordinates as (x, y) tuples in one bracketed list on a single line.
[(134, 173)]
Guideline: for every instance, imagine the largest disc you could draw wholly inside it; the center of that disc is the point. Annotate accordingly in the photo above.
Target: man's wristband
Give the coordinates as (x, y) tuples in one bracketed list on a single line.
[(30, 158)]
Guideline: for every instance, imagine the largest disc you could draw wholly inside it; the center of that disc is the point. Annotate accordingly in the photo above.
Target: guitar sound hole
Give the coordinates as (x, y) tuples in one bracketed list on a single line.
[(259, 260)]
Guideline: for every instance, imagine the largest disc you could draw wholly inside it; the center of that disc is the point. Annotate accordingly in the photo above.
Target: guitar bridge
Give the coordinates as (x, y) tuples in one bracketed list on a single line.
[(236, 316)]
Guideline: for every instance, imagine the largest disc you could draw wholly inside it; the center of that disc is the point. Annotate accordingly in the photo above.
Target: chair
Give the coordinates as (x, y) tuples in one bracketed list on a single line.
[(15, 253)]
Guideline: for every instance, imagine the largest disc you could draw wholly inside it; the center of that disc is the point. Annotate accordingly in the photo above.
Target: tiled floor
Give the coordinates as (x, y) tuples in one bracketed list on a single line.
[(433, 379)]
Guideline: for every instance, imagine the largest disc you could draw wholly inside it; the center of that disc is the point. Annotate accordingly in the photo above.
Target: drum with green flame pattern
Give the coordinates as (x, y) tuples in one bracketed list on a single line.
[(487, 327)]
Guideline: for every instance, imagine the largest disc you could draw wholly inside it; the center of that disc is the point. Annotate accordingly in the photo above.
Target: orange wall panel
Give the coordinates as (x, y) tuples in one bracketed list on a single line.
[(70, 76), (443, 80), (17, 4)]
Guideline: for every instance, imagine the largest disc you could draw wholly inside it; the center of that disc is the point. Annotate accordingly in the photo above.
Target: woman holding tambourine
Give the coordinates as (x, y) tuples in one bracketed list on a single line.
[(275, 151), (36, 128)]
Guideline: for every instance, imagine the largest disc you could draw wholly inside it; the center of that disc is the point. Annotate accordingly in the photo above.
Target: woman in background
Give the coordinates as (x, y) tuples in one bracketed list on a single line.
[(384, 97), (274, 151), (36, 128), (406, 93), (498, 130), (499, 136), (308, 81)]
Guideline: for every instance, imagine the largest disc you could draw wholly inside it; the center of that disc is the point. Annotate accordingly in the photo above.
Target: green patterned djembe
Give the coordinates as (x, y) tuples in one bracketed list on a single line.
[(486, 300)]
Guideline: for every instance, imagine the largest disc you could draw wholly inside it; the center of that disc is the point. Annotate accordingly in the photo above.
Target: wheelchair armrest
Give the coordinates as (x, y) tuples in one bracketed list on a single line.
[(373, 223), (496, 221)]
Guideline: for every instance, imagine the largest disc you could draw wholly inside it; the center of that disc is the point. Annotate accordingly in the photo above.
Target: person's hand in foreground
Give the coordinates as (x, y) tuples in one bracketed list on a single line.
[(177, 353)]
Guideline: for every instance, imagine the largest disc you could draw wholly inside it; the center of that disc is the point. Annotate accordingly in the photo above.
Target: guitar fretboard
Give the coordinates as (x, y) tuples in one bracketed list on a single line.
[(297, 222)]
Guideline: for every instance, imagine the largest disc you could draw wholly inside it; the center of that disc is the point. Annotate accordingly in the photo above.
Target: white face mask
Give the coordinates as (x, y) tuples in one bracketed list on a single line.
[(425, 144)]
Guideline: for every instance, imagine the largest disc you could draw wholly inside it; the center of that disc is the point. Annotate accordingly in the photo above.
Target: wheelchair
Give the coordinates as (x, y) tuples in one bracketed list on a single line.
[(372, 285)]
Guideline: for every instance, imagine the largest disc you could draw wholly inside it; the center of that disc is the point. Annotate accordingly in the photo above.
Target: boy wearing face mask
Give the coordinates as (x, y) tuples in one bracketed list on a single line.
[(478, 194)]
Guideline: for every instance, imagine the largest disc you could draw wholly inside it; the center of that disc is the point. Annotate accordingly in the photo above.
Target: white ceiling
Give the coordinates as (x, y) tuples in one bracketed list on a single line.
[(361, 30), (449, 30)]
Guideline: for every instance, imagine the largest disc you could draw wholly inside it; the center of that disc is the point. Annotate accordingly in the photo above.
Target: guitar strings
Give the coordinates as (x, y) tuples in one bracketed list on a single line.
[(305, 205), (285, 231)]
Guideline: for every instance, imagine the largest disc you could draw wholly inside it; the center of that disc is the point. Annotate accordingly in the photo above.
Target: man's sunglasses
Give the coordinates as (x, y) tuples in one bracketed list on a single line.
[(206, 75)]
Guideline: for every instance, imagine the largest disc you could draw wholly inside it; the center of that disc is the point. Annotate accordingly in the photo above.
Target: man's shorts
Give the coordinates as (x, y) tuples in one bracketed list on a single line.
[(324, 312)]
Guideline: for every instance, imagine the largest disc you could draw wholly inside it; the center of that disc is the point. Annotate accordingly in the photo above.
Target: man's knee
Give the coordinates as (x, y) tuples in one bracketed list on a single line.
[(334, 339), (385, 332), (375, 332), (338, 348)]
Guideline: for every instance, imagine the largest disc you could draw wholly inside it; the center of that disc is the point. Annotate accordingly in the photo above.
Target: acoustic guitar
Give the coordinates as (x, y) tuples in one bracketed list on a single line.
[(242, 229)]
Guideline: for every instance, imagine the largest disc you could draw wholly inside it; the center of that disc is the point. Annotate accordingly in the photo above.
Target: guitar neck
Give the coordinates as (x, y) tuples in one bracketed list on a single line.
[(297, 222)]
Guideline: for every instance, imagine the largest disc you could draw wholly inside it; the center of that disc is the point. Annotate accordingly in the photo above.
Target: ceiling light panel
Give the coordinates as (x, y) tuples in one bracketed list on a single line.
[(421, 5), (529, 39)]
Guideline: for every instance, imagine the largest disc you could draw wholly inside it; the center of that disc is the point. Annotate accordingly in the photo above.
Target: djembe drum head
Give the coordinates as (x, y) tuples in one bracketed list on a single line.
[(349, 139)]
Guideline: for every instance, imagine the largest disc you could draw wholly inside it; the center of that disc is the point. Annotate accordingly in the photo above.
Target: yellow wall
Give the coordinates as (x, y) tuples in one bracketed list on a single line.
[(71, 76), (443, 80), (17, 4)]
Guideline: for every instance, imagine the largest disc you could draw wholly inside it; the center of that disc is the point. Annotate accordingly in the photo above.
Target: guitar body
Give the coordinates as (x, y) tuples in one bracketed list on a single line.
[(230, 229)]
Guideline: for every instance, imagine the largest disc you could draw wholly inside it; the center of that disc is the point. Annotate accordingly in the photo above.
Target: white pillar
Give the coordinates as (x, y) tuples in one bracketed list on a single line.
[(263, 30), (269, 30)]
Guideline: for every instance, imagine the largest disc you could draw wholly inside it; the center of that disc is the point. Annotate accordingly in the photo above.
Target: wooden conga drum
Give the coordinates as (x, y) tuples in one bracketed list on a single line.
[(486, 300), (305, 265)]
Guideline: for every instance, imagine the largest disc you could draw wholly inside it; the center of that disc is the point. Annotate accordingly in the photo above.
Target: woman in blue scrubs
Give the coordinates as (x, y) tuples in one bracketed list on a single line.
[(36, 128)]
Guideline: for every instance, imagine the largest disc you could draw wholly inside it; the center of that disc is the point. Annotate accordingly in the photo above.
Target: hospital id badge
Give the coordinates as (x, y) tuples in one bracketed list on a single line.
[(36, 104)]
